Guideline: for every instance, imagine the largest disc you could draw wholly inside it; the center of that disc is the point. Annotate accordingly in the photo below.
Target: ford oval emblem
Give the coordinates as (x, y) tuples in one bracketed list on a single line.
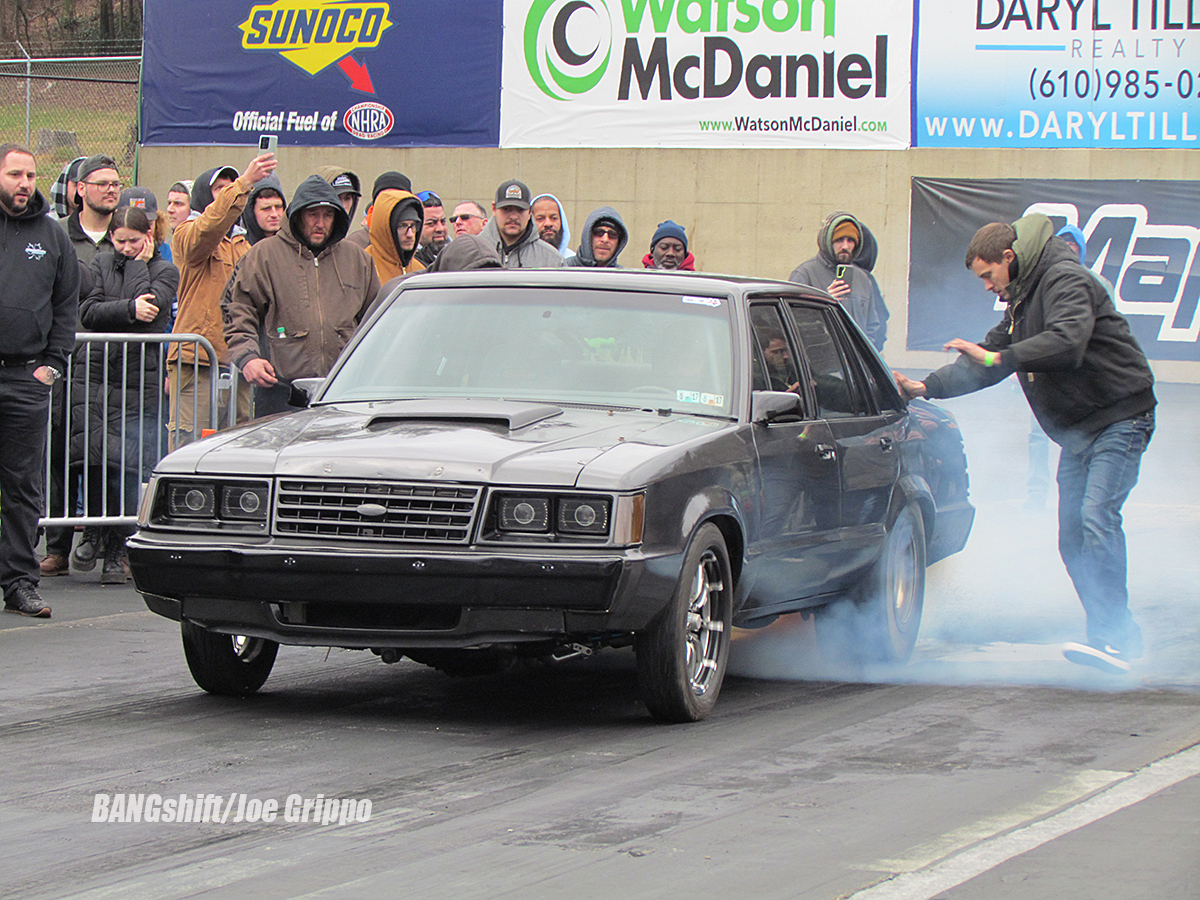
[(371, 510)]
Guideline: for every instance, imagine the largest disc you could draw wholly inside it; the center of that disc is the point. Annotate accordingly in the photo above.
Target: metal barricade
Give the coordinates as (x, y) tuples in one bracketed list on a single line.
[(109, 424)]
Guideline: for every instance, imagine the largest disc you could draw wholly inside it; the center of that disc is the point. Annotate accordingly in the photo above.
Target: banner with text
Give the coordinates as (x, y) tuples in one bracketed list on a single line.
[(321, 72), (1143, 236), (707, 73), (1043, 73)]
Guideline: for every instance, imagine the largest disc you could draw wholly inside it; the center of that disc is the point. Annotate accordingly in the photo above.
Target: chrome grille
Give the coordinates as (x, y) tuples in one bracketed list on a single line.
[(412, 512)]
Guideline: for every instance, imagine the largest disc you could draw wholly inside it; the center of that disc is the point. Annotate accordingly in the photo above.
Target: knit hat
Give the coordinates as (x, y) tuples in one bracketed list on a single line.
[(669, 229), (140, 198), (847, 229), (182, 187), (391, 181)]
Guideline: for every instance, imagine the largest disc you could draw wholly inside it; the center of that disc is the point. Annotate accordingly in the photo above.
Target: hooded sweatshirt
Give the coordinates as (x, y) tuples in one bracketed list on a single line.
[(585, 257), (206, 249), (865, 260), (467, 251), (529, 252), (564, 241), (41, 287), (1079, 365), (821, 271), (295, 307), (390, 261), (254, 232), (329, 173)]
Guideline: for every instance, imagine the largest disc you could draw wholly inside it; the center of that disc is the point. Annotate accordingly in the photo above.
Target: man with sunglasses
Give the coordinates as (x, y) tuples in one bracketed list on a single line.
[(604, 237), (469, 218), (434, 233)]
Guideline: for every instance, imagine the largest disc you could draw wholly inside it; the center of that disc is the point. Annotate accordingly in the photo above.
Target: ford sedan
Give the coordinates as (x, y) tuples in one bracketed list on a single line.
[(507, 466)]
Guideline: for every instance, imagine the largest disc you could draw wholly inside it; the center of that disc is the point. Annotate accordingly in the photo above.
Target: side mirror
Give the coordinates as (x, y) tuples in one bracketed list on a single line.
[(773, 406), (303, 390)]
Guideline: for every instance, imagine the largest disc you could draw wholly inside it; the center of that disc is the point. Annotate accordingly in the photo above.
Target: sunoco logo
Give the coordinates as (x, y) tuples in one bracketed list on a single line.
[(314, 34), (568, 44), (728, 45), (368, 121)]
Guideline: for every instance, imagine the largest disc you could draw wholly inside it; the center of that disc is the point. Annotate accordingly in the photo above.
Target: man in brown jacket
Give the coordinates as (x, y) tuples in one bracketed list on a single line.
[(206, 250), (297, 297)]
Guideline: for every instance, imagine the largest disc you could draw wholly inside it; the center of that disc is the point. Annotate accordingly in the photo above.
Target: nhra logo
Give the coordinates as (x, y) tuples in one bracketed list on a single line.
[(369, 121), (314, 34), (568, 43)]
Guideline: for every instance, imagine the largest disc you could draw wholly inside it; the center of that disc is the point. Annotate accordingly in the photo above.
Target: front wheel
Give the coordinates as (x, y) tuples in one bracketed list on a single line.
[(231, 665), (681, 656), (878, 625)]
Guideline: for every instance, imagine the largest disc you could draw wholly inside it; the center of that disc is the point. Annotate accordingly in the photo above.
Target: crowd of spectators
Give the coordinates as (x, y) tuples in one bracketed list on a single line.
[(276, 286)]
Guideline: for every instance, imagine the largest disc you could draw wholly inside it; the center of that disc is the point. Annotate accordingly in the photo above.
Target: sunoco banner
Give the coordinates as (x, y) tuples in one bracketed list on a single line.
[(1143, 236), (706, 73), (322, 72), (1058, 73)]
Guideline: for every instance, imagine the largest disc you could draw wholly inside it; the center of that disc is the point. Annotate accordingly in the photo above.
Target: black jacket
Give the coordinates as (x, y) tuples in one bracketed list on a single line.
[(40, 278), (1079, 365), (103, 384)]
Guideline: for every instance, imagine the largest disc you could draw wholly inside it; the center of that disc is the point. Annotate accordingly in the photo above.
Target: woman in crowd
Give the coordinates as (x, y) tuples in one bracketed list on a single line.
[(132, 292)]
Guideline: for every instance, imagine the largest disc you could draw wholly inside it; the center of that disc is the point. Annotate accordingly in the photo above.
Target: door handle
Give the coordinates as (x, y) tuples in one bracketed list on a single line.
[(826, 451), (886, 444)]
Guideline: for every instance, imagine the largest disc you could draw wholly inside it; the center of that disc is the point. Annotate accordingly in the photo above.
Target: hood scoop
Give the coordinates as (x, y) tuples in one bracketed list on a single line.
[(504, 413)]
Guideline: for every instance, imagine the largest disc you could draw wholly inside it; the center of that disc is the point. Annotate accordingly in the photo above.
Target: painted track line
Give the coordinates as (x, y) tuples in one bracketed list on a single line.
[(959, 868)]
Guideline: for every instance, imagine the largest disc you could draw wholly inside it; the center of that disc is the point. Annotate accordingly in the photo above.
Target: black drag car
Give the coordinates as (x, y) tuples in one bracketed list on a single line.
[(512, 465)]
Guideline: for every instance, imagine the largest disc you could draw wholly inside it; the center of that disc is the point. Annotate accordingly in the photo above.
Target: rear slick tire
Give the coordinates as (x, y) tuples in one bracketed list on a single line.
[(226, 664), (682, 655), (878, 625)]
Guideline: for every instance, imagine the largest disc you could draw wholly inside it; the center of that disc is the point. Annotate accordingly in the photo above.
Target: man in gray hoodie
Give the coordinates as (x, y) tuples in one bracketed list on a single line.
[(512, 233), (604, 237), (834, 269)]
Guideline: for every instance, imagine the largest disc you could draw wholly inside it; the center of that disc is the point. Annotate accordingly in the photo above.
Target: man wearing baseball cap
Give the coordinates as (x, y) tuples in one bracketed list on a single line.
[(512, 233)]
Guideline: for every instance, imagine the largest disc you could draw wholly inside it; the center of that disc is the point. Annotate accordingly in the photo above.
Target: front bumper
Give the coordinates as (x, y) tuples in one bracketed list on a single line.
[(332, 595)]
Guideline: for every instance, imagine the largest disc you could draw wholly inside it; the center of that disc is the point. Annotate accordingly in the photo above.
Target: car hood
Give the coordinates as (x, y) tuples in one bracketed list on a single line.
[(490, 441)]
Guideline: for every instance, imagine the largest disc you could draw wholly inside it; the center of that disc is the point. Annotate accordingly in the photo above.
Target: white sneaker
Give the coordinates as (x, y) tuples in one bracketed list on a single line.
[(1106, 659)]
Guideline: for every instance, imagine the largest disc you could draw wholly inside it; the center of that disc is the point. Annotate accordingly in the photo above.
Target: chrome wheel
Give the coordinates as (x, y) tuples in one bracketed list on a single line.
[(703, 631)]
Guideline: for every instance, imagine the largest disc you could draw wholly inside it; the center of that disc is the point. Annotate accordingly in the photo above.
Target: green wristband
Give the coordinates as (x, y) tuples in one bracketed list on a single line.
[(991, 358)]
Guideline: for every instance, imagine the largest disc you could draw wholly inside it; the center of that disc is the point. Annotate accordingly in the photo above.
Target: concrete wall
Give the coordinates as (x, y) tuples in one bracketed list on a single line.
[(748, 212)]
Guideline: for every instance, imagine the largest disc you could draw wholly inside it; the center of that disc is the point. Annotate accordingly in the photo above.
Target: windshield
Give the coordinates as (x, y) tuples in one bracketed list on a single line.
[(555, 345)]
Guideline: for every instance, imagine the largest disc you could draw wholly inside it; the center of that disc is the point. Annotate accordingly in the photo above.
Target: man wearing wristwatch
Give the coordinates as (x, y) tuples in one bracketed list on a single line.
[(40, 278)]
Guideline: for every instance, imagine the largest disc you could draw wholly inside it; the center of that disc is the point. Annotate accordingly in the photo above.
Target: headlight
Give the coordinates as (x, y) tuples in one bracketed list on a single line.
[(525, 514), (190, 502), (583, 515), (551, 516)]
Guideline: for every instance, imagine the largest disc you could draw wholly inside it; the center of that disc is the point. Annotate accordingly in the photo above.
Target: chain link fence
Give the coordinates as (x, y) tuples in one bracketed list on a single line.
[(64, 107)]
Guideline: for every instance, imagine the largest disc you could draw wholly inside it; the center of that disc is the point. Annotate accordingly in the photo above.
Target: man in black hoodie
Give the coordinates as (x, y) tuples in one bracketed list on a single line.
[(40, 275), (1092, 390)]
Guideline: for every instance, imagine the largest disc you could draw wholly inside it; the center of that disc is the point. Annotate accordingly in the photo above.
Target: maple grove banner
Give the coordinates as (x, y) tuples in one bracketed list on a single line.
[(1143, 236), (322, 72)]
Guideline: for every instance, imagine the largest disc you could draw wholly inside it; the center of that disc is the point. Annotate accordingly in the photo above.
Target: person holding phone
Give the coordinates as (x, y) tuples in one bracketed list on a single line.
[(115, 396), (839, 242)]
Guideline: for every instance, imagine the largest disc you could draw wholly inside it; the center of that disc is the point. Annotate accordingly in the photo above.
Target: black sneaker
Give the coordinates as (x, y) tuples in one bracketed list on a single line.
[(1106, 657), (91, 546), (24, 600)]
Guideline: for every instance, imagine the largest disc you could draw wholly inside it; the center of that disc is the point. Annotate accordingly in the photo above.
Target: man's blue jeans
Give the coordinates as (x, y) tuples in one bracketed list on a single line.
[(1092, 487)]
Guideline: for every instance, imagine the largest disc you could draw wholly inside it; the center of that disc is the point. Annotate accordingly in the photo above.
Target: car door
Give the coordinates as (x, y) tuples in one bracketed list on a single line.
[(868, 440), (795, 546)]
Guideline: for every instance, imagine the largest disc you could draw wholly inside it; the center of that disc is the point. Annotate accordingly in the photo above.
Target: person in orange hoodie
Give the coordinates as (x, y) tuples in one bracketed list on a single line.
[(395, 225)]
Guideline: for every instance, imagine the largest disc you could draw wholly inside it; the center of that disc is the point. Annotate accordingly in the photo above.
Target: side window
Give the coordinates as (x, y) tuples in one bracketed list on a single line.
[(774, 369), (875, 377), (836, 396)]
